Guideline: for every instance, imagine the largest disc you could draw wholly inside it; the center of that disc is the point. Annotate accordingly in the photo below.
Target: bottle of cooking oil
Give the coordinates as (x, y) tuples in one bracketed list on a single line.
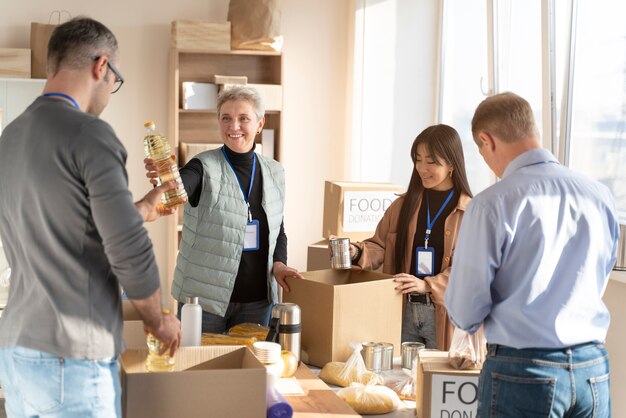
[(158, 149), (156, 362)]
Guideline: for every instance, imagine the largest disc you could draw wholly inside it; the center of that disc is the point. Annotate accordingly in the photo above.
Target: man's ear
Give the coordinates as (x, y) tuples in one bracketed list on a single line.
[(486, 140), (99, 68)]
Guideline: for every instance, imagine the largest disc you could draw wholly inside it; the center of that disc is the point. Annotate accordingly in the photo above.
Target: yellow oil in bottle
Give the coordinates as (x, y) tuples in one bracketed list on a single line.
[(156, 362), (158, 149)]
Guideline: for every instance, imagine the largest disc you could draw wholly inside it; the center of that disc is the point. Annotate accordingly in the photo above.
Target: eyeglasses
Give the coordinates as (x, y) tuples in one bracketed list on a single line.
[(119, 79)]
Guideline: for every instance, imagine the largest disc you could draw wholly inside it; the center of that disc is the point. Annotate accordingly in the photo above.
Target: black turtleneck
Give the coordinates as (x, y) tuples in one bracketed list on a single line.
[(251, 281), (437, 235)]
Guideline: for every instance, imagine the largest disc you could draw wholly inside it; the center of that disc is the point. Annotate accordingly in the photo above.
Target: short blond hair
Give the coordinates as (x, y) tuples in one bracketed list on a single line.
[(505, 115)]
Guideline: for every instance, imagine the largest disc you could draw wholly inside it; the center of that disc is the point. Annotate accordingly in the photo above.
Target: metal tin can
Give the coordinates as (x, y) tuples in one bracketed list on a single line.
[(387, 361), (340, 254), (372, 356), (409, 353)]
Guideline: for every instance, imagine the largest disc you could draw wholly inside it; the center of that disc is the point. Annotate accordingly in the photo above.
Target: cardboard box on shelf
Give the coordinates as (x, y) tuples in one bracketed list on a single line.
[(207, 381), (198, 96), (353, 209), (230, 79), (443, 391), (272, 95), (201, 35), (318, 257), (15, 62), (339, 307)]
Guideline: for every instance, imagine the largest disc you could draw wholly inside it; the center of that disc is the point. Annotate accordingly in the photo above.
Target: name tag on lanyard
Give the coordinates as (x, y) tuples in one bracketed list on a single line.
[(424, 261), (425, 256), (251, 237)]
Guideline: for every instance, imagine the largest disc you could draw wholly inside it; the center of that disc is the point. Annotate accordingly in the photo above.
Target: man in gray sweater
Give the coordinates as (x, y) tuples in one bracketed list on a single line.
[(72, 235)]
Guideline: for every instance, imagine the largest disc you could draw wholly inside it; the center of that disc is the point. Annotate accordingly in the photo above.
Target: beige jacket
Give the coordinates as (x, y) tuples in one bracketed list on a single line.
[(381, 249)]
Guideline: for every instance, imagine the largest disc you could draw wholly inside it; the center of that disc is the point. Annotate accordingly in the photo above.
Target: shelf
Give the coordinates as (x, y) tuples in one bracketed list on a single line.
[(231, 52)]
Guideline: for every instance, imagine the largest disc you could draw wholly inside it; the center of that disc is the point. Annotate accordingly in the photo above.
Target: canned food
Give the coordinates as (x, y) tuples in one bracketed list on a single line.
[(340, 254), (409, 353), (387, 361), (372, 356)]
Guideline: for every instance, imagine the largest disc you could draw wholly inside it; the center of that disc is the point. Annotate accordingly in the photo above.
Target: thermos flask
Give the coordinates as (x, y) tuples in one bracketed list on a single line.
[(285, 327)]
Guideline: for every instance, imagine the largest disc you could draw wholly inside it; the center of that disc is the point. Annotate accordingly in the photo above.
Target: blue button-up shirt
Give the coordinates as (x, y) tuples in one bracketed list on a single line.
[(533, 257)]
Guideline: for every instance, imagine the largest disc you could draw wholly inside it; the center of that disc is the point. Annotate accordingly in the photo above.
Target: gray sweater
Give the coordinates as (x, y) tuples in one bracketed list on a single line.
[(70, 231)]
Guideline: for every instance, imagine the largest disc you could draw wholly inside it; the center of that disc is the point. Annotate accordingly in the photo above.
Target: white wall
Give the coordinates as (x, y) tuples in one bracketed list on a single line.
[(614, 298)]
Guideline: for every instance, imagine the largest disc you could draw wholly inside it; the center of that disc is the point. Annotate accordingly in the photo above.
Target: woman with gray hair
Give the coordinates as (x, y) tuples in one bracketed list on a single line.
[(233, 252)]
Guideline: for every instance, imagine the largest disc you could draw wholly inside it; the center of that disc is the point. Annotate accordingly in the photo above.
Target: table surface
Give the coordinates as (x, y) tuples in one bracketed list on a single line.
[(320, 399)]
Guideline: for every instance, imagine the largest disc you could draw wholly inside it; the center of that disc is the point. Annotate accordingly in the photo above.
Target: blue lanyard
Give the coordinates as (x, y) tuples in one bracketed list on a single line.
[(429, 224), (245, 197), (65, 96)]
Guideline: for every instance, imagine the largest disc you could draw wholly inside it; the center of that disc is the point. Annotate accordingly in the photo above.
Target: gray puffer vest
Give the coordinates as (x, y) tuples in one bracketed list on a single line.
[(213, 232)]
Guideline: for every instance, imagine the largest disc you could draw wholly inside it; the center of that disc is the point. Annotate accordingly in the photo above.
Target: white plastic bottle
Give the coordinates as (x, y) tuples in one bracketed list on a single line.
[(190, 322)]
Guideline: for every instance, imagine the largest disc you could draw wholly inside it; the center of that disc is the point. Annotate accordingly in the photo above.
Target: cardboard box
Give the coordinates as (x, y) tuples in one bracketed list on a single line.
[(443, 391), (134, 335), (201, 35), (317, 256), (272, 95), (216, 381), (15, 62), (198, 96), (343, 306), (353, 210), (230, 79)]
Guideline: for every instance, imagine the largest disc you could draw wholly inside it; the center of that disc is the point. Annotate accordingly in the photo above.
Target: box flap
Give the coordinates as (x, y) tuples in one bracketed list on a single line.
[(343, 277), (134, 335), (194, 358)]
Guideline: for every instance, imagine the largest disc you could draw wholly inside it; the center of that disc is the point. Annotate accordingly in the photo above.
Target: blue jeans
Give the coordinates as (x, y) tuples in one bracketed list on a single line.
[(571, 382), (418, 323), (237, 313), (38, 384)]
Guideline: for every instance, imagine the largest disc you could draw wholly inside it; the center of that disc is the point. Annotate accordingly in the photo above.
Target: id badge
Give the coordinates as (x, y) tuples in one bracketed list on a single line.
[(424, 261), (251, 237)]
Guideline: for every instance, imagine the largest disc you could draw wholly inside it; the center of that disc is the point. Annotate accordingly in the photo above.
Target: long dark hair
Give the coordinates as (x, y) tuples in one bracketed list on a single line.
[(442, 143)]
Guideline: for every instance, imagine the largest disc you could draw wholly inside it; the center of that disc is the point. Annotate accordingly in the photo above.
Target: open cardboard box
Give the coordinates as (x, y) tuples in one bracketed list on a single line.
[(343, 306), (442, 390), (215, 381)]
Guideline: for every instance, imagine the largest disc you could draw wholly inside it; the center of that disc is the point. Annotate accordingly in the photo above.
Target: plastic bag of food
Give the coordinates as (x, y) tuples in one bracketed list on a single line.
[(353, 370), (370, 399), (404, 387), (208, 338), (467, 351), (248, 329)]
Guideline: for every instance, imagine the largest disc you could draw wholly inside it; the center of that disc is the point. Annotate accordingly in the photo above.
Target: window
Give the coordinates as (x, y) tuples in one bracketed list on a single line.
[(598, 131)]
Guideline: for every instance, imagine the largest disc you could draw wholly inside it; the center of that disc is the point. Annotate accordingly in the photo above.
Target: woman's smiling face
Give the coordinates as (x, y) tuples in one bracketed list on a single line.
[(239, 125)]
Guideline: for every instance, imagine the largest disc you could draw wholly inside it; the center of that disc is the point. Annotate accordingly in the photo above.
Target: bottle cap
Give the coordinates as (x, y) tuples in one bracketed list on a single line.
[(191, 299), (149, 124)]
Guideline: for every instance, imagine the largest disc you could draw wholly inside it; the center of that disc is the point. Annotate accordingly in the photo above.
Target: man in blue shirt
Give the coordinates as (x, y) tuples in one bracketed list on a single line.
[(532, 262)]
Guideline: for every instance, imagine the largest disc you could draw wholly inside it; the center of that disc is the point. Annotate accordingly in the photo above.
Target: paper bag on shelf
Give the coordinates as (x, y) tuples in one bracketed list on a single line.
[(255, 25), (40, 34)]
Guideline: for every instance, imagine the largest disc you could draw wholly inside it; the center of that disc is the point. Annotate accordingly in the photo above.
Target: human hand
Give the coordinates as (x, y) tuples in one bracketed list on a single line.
[(168, 333), (282, 271), (150, 206), (353, 248), (409, 283), (151, 169)]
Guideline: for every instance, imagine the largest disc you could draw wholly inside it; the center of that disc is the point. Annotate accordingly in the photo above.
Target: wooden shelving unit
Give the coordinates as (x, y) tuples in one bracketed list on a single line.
[(201, 126)]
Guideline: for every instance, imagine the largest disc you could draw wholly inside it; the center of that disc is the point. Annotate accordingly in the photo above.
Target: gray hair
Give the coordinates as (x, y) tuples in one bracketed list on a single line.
[(506, 115), (76, 42), (242, 92)]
